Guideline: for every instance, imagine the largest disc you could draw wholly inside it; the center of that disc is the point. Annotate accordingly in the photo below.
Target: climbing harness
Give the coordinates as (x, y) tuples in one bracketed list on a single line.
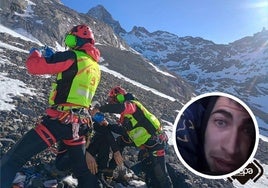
[(75, 117)]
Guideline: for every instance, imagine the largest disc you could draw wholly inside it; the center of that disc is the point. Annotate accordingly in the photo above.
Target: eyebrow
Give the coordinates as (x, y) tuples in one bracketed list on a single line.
[(227, 114), (224, 112)]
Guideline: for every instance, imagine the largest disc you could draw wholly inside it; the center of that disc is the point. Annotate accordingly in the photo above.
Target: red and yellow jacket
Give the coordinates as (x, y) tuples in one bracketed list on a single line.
[(139, 123), (78, 74)]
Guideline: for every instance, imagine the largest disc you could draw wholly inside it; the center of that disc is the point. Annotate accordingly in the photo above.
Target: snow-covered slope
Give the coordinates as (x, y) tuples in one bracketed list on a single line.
[(239, 68)]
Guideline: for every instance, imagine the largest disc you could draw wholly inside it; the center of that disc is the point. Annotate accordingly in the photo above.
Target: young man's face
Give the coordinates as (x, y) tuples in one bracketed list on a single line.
[(228, 137)]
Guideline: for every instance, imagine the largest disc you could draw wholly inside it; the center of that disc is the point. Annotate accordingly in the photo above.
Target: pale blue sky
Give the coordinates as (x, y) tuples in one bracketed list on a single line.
[(221, 21)]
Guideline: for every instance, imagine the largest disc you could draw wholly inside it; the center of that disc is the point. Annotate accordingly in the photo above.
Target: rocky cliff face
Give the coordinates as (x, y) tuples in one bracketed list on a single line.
[(49, 21), (100, 13)]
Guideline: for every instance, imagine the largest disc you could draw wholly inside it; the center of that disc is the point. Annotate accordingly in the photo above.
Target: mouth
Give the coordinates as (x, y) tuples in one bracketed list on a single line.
[(224, 166)]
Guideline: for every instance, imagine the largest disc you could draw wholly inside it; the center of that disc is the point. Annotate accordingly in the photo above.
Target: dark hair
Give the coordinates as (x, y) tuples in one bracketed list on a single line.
[(208, 104)]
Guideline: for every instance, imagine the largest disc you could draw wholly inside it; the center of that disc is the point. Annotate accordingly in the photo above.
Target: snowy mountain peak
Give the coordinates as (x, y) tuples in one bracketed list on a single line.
[(100, 13), (137, 29)]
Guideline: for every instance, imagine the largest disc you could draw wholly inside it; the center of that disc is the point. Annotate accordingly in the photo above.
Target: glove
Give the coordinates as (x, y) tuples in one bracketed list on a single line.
[(48, 52), (98, 117), (33, 49)]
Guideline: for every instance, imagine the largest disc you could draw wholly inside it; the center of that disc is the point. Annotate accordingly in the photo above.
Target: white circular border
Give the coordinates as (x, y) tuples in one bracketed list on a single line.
[(215, 176)]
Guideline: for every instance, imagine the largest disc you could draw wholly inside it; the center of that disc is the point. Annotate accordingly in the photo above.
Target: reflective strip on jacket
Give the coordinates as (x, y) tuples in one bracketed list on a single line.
[(143, 126), (77, 85)]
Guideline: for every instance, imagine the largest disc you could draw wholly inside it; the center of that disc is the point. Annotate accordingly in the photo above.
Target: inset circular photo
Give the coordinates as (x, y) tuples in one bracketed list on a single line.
[(216, 135)]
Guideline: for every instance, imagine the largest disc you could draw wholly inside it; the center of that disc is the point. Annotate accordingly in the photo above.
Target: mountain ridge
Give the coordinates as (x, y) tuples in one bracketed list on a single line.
[(239, 68), (115, 54)]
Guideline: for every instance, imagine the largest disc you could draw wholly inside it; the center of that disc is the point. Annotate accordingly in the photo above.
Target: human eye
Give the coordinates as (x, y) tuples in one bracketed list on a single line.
[(221, 118), (221, 123)]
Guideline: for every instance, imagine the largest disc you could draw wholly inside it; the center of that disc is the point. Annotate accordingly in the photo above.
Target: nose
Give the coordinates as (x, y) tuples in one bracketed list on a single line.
[(231, 143)]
